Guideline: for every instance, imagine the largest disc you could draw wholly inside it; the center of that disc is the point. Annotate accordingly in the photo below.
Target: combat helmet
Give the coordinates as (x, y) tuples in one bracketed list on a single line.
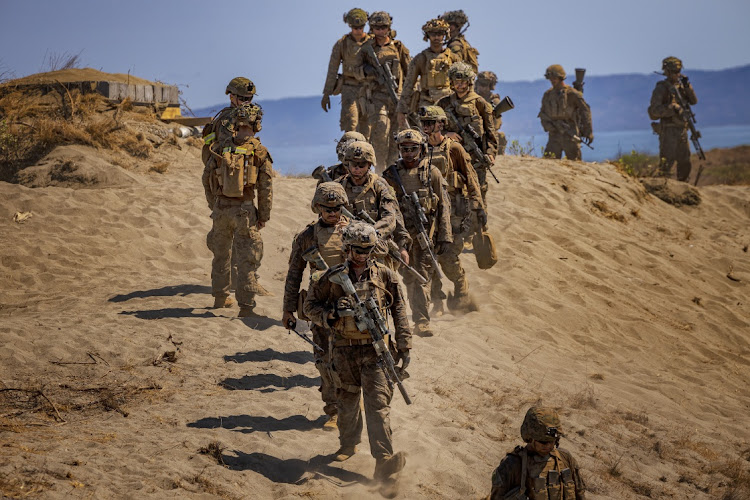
[(359, 151), (541, 424), (359, 234), (435, 113), (345, 140), (436, 25), (356, 18), (409, 135), (461, 71), (241, 86), (328, 194), (489, 77), (555, 70), (380, 18), (671, 65), (457, 17)]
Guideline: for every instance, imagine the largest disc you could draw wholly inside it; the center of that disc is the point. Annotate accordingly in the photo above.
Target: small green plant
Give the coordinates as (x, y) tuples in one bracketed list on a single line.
[(637, 164), (515, 148)]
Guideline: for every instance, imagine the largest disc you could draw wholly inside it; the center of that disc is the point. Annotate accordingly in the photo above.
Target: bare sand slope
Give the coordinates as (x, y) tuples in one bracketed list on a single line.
[(628, 314)]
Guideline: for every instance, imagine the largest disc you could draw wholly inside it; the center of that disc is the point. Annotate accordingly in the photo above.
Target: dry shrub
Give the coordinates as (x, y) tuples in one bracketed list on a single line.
[(215, 450), (606, 212), (160, 168), (585, 398), (136, 146), (596, 376), (639, 417), (194, 142)]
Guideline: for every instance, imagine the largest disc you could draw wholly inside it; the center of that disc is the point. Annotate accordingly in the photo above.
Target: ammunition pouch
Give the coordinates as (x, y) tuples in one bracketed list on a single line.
[(484, 250), (236, 171), (515, 494), (338, 85)]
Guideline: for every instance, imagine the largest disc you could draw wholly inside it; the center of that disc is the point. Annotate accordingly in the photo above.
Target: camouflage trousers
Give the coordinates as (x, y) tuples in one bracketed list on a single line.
[(557, 143), (482, 178), (418, 294), (357, 367), (353, 116), (502, 142), (323, 364), (235, 225), (380, 118), (451, 264), (674, 147)]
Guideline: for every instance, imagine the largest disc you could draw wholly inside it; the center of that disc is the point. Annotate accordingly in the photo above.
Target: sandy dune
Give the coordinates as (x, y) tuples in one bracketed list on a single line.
[(629, 314)]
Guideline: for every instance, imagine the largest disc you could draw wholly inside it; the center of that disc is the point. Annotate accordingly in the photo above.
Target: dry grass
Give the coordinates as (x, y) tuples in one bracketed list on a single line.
[(160, 168), (215, 450), (606, 212), (585, 398)]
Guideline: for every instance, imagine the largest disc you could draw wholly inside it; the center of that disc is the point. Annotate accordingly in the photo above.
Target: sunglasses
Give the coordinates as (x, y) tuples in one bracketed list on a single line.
[(408, 149), (243, 98), (428, 123), (361, 250), (380, 28), (331, 210), (359, 164)]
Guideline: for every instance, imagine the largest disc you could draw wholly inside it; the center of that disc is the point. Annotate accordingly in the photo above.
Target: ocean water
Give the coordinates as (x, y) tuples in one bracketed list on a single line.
[(300, 160)]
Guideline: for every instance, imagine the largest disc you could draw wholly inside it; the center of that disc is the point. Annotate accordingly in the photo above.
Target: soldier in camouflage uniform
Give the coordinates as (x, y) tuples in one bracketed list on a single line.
[(566, 116), (540, 470), (381, 109), (355, 362), (345, 52), (339, 170), (417, 175), (456, 20), (484, 86), (430, 67), (465, 200), (672, 127), (471, 109), (325, 235), (237, 166)]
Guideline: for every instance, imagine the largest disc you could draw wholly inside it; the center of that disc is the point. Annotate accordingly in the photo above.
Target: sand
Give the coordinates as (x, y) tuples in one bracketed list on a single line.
[(628, 314)]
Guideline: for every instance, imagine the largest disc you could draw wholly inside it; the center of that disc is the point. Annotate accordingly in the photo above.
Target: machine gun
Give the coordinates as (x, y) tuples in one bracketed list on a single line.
[(385, 75), (368, 318), (420, 220), (471, 141), (578, 84), (689, 117)]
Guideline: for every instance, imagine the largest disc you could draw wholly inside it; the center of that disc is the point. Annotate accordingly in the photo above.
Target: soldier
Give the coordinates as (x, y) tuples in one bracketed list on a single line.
[(349, 84), (673, 126), (456, 20), (539, 470), (382, 101), (484, 86), (471, 110), (339, 170), (368, 192), (416, 175), (566, 116), (325, 235), (237, 166), (465, 197), (355, 362), (431, 68)]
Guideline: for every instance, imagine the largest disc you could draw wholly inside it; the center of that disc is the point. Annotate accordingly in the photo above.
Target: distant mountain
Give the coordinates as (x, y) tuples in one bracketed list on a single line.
[(618, 102)]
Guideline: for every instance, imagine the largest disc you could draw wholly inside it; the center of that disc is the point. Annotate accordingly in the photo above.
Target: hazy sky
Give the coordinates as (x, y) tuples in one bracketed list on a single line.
[(284, 46)]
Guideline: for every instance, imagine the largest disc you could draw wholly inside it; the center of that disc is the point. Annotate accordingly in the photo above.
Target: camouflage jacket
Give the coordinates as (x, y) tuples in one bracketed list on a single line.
[(323, 296), (454, 164), (567, 106), (507, 476), (395, 55), (430, 186), (473, 110), (465, 51), (374, 197), (345, 52), (494, 99), (662, 99), (432, 71)]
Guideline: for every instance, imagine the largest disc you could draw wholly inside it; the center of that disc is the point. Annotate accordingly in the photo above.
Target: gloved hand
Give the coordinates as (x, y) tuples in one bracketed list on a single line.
[(676, 108), (404, 357), (288, 320), (344, 307), (684, 80), (325, 103), (482, 217), (441, 247)]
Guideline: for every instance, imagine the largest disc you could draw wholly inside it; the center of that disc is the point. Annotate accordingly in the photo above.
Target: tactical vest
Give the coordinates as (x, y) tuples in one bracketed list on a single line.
[(351, 61), (363, 197), (467, 111), (669, 98), (235, 169), (329, 243), (548, 478), (418, 179), (346, 327), (556, 105), (437, 69), (389, 54), (441, 159), (468, 53)]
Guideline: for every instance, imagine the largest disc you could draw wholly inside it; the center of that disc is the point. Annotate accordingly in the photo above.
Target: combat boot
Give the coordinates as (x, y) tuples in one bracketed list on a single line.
[(223, 301), (386, 467), (345, 453), (246, 310), (332, 423), (423, 329), (437, 308)]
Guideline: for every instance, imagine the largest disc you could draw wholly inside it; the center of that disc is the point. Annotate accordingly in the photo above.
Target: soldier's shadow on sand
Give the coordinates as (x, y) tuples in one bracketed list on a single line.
[(248, 424), (268, 382), (299, 357), (259, 322), (166, 291), (292, 470), (170, 312)]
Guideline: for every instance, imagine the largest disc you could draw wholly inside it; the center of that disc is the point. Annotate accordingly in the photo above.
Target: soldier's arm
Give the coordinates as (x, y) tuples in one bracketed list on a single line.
[(660, 106), (444, 231), (264, 184), (488, 123), (548, 124), (296, 269), (462, 164), (400, 235), (505, 477), (404, 59), (446, 104), (333, 68), (412, 72), (208, 170), (317, 306), (398, 310), (387, 209), (690, 94)]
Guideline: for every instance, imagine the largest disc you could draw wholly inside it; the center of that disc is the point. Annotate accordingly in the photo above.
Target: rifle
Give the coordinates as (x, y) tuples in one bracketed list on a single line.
[(689, 117), (564, 128), (369, 319), (578, 84), (385, 76), (420, 219), (291, 327), (505, 105), (471, 142)]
